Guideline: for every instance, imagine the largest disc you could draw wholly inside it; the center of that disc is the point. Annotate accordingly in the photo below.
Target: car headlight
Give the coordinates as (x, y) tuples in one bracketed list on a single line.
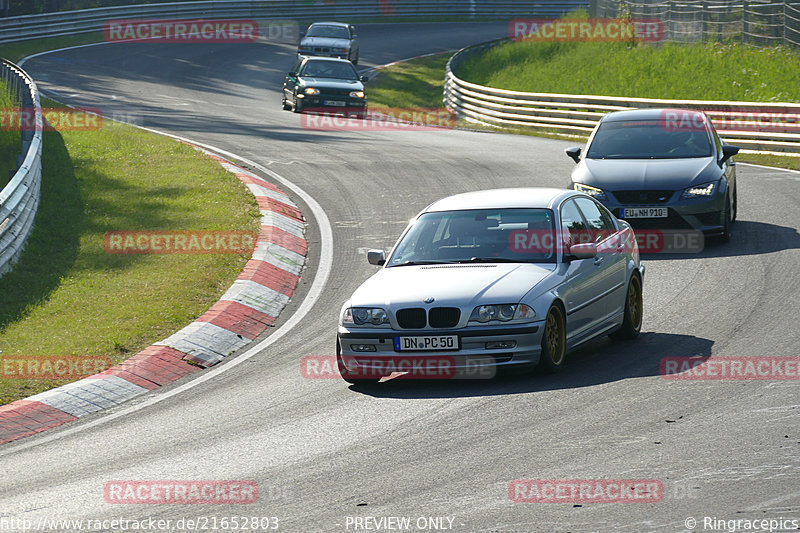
[(594, 192), (503, 313), (706, 189), (339, 50), (356, 94), (311, 91), (361, 316)]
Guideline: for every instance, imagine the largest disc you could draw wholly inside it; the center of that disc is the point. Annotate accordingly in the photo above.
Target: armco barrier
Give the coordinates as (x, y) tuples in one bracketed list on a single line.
[(87, 20), (753, 126), (20, 197)]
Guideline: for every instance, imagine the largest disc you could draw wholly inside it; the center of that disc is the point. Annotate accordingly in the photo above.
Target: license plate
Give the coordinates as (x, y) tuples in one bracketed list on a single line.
[(425, 343), (644, 212), (337, 103)]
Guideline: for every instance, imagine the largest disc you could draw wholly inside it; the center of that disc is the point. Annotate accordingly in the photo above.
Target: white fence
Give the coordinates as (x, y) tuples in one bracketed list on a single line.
[(753, 126), (20, 197)]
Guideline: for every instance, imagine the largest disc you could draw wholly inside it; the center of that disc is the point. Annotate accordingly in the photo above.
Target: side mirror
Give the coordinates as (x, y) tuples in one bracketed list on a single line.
[(728, 151), (363, 79), (574, 153), (583, 251), (292, 73), (376, 257), (302, 34)]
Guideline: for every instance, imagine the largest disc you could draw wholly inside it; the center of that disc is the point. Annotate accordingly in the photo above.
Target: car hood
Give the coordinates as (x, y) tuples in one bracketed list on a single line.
[(451, 285), (633, 174), (332, 83), (325, 42)]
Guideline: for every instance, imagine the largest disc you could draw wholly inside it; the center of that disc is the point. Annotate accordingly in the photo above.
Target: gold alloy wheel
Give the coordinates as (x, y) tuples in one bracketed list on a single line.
[(554, 331)]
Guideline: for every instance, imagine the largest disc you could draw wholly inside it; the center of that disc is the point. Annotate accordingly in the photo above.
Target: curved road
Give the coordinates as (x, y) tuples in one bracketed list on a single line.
[(322, 452)]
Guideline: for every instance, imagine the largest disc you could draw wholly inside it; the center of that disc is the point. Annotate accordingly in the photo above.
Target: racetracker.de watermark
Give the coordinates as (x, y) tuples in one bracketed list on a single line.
[(179, 242), (401, 366), (526, 241), (585, 491), (48, 367), (181, 492), (730, 368), (406, 119), (54, 118), (182, 31), (602, 30)]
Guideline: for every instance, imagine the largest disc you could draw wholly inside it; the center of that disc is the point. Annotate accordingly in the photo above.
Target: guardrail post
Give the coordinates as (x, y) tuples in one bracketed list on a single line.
[(745, 22)]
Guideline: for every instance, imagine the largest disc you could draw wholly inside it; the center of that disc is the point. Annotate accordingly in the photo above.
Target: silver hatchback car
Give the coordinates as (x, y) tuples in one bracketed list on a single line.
[(493, 279)]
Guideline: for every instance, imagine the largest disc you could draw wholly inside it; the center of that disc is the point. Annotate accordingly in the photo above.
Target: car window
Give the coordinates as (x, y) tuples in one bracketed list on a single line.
[(507, 235), (334, 32), (329, 69), (574, 230), (648, 139), (598, 219)]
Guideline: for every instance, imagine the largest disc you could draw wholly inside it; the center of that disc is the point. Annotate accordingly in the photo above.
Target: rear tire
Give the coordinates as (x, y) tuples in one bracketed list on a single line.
[(634, 311), (554, 341)]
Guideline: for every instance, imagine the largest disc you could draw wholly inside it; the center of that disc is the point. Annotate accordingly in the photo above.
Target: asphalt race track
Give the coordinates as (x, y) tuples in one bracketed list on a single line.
[(323, 453)]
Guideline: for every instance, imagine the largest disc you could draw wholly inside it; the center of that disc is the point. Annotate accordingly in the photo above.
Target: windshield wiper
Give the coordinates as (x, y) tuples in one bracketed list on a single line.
[(492, 260), (427, 262)]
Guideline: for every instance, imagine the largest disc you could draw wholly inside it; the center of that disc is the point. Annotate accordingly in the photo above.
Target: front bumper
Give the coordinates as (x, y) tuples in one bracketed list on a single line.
[(472, 359), (699, 214)]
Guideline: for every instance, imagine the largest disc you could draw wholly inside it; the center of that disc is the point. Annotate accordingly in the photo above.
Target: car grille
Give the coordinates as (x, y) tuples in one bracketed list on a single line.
[(642, 197), (322, 49), (438, 317), (444, 317), (334, 92), (673, 221), (412, 318)]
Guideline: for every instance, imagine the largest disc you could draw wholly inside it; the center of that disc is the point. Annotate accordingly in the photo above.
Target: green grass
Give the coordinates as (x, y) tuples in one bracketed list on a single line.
[(420, 82), (411, 84), (67, 296), (708, 71), (10, 139)]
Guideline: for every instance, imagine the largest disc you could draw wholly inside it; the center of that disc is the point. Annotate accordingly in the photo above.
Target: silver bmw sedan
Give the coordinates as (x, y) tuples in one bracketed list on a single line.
[(487, 280)]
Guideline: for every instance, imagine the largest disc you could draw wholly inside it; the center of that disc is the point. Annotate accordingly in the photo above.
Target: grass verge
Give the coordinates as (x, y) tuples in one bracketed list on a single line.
[(67, 296), (706, 71), (420, 83)]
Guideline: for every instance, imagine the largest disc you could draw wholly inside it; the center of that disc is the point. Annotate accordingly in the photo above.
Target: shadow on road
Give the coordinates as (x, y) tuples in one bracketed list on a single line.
[(600, 361)]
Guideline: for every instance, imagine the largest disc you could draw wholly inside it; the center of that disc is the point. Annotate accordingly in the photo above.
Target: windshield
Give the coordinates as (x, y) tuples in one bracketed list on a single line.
[(335, 32), (483, 235), (329, 69), (647, 139)]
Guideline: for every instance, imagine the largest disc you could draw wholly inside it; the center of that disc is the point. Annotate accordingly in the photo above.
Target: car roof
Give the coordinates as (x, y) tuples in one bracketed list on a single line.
[(325, 58), (645, 114), (341, 24), (528, 197)]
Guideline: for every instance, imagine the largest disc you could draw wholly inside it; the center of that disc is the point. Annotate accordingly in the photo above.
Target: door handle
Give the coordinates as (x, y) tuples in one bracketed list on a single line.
[(599, 260)]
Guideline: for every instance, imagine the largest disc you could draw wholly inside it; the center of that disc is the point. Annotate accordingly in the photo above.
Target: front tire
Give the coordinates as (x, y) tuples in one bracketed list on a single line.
[(554, 341), (727, 222), (634, 307)]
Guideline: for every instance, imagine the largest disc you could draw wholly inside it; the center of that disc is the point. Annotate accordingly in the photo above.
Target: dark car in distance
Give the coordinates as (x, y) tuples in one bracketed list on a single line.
[(660, 169), (325, 85)]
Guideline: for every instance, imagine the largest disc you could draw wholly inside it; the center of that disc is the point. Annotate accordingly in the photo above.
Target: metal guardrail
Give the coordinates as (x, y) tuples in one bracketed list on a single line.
[(19, 199), (758, 22), (88, 20), (753, 126)]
